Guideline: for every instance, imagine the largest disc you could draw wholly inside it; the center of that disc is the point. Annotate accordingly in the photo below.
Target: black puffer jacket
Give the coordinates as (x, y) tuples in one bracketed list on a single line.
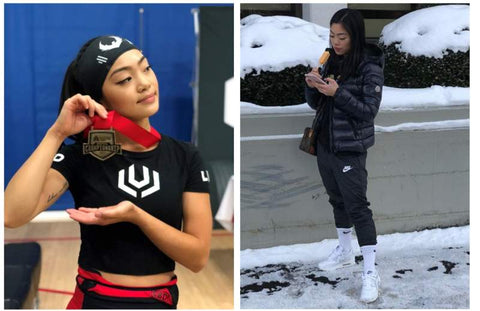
[(355, 104)]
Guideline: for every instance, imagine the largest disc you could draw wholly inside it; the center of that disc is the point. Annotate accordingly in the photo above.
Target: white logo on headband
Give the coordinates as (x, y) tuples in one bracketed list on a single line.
[(101, 59), (115, 44)]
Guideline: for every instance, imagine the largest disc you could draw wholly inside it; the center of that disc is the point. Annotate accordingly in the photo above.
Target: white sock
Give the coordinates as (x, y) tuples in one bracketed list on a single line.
[(368, 252), (345, 238)]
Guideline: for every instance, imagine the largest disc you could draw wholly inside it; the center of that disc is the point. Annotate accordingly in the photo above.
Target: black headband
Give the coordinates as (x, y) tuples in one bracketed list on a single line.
[(95, 62)]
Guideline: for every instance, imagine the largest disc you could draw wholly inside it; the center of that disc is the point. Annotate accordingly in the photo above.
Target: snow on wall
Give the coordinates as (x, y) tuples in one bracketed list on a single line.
[(392, 99)]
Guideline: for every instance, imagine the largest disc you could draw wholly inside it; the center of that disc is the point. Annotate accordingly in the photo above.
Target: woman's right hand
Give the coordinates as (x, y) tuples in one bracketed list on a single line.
[(73, 119), (310, 83)]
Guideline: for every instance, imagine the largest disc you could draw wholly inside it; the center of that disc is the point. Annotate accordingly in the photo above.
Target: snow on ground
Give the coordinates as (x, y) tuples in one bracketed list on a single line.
[(392, 99), (431, 31), (426, 269), (275, 42)]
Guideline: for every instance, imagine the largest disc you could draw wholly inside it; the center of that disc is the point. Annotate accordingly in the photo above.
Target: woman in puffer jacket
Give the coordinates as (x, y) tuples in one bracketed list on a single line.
[(347, 105)]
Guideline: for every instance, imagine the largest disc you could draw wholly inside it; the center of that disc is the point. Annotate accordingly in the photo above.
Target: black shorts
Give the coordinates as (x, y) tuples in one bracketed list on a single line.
[(94, 292)]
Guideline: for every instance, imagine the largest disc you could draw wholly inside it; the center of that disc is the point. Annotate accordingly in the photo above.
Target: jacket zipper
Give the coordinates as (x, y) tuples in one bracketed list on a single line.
[(330, 128)]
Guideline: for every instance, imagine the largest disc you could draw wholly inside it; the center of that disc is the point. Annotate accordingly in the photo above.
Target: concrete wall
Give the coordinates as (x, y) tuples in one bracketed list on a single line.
[(417, 179)]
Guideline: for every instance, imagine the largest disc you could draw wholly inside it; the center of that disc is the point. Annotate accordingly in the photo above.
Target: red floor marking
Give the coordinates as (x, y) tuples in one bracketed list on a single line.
[(222, 233), (55, 291)]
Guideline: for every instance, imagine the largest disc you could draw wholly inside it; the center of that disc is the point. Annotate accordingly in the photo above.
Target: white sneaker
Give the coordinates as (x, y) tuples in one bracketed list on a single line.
[(339, 258), (370, 285)]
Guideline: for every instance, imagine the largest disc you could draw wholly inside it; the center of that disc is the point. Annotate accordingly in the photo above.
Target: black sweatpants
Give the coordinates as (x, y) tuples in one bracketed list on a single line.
[(345, 179)]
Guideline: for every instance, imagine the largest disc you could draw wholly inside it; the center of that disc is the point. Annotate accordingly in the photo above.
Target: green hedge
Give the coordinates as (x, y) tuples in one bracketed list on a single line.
[(283, 88), (406, 71)]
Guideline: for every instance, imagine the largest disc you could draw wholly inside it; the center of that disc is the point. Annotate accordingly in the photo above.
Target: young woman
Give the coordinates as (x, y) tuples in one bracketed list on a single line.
[(348, 102), (141, 206)]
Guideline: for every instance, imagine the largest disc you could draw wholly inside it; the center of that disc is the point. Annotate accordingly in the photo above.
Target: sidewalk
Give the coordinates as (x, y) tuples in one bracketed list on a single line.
[(427, 269)]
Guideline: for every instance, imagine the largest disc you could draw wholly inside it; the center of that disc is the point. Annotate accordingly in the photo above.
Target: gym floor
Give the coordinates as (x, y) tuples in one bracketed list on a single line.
[(211, 288)]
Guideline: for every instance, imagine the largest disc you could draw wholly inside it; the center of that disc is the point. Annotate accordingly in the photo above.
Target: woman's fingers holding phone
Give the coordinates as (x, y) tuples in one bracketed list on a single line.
[(309, 82), (328, 88), (313, 78)]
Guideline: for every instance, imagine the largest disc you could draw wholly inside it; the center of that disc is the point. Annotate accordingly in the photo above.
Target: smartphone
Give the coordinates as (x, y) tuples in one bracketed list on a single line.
[(314, 78)]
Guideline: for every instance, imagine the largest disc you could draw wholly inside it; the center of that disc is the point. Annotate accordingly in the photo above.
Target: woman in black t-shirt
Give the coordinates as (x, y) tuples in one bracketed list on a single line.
[(141, 206)]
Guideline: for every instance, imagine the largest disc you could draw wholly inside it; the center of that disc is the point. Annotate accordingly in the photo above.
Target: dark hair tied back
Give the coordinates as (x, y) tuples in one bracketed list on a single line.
[(70, 85)]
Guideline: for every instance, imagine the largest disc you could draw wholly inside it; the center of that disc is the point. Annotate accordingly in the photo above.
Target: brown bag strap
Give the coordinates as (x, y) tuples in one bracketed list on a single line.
[(319, 110)]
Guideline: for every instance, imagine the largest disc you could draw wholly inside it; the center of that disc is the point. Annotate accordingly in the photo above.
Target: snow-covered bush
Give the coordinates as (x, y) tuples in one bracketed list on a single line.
[(283, 88), (428, 47), (276, 52)]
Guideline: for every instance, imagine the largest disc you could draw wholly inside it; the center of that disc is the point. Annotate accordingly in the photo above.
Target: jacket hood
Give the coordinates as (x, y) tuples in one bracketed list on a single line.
[(373, 54)]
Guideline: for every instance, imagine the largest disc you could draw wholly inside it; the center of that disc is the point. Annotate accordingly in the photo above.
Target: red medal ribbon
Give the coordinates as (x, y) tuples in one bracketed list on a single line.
[(126, 127)]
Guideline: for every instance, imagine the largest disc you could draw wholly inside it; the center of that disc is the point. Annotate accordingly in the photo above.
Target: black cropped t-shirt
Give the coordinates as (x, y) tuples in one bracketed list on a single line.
[(154, 181)]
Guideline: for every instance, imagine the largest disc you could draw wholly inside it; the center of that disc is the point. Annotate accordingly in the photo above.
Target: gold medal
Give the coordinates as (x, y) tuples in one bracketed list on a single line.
[(102, 144)]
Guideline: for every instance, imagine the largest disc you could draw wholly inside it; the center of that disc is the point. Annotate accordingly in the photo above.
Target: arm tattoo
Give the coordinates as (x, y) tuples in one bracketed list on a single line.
[(53, 196)]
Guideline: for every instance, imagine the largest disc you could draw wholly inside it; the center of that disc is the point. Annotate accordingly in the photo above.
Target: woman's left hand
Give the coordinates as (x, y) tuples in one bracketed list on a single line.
[(327, 89), (124, 211)]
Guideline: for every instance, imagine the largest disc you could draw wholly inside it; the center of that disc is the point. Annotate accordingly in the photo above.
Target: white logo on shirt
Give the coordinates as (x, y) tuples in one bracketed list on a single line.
[(205, 176), (58, 157), (138, 184), (347, 168)]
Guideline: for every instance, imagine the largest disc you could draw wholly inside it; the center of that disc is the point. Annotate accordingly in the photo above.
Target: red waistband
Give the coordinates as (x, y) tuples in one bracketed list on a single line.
[(106, 288)]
